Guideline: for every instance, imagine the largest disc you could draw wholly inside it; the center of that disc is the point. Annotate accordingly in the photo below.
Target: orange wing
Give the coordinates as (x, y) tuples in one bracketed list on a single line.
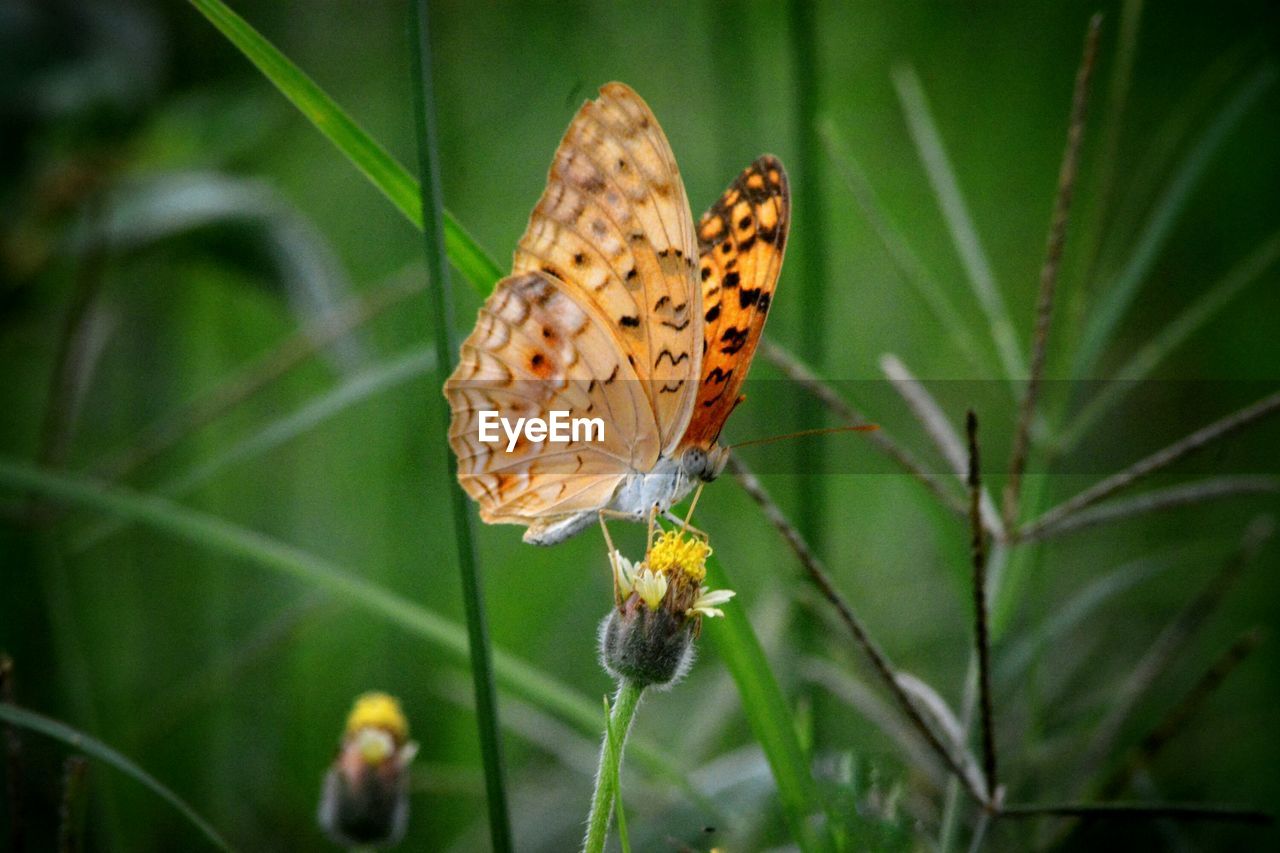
[(741, 241)]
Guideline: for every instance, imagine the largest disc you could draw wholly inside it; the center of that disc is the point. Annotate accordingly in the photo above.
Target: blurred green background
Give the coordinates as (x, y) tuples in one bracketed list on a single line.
[(162, 201)]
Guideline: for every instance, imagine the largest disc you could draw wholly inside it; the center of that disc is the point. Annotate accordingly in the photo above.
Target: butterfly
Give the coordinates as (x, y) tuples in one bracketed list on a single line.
[(619, 309)]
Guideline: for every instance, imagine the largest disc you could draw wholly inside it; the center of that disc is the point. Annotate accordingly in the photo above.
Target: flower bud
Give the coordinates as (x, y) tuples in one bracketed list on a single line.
[(647, 647), (365, 799)]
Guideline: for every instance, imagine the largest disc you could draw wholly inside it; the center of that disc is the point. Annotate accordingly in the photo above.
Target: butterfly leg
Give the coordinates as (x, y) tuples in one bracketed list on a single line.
[(683, 524), (613, 554)]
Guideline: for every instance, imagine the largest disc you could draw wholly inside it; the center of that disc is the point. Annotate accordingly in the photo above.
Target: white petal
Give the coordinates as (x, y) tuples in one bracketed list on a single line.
[(714, 597)]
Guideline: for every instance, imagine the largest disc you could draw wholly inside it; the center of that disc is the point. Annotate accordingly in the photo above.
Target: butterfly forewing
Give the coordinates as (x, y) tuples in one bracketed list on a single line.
[(614, 226), (537, 348), (741, 241)]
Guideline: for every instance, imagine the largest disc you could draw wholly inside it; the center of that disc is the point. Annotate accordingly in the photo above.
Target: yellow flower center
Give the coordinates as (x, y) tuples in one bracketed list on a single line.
[(378, 710), (677, 552)]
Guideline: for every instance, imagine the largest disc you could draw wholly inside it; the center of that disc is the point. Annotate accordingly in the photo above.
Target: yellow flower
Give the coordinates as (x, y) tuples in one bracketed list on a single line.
[(365, 798), (677, 551), (661, 602), (379, 711)]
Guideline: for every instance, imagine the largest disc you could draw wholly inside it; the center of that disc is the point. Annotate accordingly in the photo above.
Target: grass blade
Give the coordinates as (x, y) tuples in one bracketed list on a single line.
[(233, 541), (354, 390), (446, 341), (1123, 289), (897, 247), (770, 719), (78, 740), (1149, 465), (942, 176), (374, 162), (1159, 500), (1171, 336), (1118, 86), (811, 254), (934, 421)]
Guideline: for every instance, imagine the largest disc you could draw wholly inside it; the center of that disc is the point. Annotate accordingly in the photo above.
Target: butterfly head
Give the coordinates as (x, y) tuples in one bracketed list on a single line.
[(705, 464)]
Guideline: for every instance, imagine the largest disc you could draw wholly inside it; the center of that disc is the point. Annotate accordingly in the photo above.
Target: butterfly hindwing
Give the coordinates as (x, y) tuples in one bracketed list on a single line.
[(614, 225), (537, 349), (741, 242)]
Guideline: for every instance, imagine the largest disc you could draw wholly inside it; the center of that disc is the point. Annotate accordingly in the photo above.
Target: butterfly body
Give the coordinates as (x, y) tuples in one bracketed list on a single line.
[(617, 309)]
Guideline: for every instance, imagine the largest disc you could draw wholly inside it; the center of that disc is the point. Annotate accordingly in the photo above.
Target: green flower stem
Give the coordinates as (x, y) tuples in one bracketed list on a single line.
[(615, 739)]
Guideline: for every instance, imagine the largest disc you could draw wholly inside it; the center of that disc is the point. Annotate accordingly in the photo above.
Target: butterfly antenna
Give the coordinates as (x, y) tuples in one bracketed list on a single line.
[(802, 433)]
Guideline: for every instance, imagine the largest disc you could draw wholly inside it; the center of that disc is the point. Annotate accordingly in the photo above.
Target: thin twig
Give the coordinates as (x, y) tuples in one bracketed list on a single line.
[(13, 761), (72, 810), (170, 429), (1049, 271), (879, 661), (798, 372), (1167, 646), (982, 637), (1157, 500), (939, 428), (1161, 459), (1175, 721), (1141, 811)]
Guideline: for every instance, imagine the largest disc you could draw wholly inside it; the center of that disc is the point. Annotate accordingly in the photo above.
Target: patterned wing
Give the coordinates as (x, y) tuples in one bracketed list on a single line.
[(741, 240), (614, 226), (537, 348)]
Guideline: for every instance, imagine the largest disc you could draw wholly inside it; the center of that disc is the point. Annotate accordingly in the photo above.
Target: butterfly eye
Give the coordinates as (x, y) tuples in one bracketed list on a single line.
[(696, 463)]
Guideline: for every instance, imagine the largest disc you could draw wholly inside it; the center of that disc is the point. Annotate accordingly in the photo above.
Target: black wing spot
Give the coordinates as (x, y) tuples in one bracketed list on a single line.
[(579, 259), (713, 313), (674, 360), (745, 222), (662, 300), (731, 279), (629, 322), (631, 274), (679, 327), (733, 339), (612, 376), (719, 376), (748, 296), (706, 272), (671, 389), (745, 245)]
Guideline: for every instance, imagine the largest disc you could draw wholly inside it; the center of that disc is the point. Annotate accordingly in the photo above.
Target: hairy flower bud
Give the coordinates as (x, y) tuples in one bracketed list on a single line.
[(647, 647)]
